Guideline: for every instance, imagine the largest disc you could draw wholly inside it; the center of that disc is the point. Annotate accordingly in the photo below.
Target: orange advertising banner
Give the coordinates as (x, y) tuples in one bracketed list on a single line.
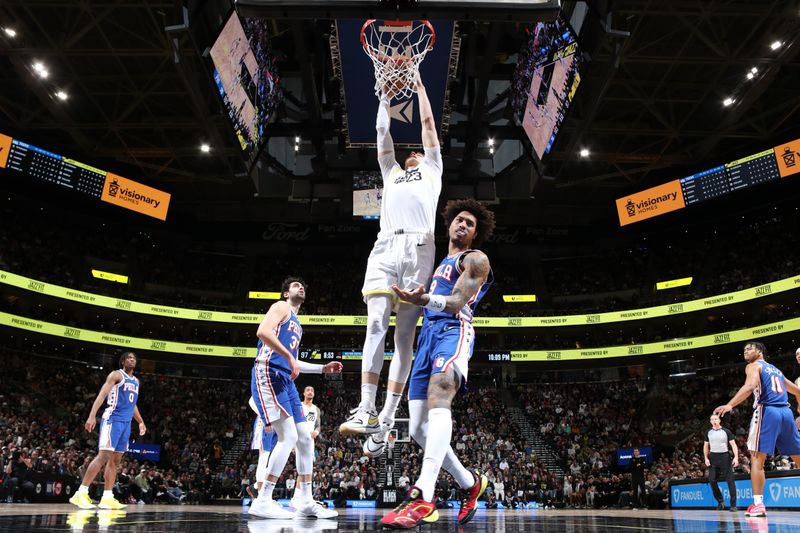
[(135, 196), (5, 148), (788, 156), (650, 203)]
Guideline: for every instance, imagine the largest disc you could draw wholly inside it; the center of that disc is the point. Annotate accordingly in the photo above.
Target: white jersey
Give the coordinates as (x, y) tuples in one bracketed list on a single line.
[(313, 415), (410, 196)]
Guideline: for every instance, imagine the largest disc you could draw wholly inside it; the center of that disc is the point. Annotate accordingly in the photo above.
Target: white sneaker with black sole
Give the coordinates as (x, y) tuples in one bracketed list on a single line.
[(311, 509), (375, 444), (361, 422), (269, 509)]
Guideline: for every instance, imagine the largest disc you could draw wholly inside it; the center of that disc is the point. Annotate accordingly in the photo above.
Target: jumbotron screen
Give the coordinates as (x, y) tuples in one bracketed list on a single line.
[(367, 194), (545, 81), (247, 79)]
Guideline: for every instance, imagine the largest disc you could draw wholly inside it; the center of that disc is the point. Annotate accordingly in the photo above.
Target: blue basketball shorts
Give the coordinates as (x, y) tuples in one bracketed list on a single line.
[(442, 344), (773, 426), (275, 394), (114, 435)]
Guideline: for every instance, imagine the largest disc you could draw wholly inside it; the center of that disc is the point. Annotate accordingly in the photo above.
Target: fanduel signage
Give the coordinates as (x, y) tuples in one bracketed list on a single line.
[(778, 492), (145, 452)]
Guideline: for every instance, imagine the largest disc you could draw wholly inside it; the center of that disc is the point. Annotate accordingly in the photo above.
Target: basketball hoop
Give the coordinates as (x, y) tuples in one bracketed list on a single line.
[(390, 440), (396, 48)]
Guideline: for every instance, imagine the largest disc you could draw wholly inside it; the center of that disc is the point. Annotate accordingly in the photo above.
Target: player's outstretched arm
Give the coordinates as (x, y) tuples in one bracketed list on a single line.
[(112, 379), (750, 384), (429, 137), (334, 367), (386, 156), (278, 313), (476, 271)]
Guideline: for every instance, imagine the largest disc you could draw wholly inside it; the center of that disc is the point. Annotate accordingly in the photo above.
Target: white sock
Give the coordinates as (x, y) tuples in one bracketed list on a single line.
[(368, 393), (83, 489), (266, 490), (418, 410), (440, 431), (108, 494), (261, 467), (305, 490), (390, 407), (758, 498)]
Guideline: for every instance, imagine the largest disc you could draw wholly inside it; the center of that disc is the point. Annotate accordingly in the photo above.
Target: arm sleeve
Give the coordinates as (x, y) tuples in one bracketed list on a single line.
[(385, 143), (309, 368)]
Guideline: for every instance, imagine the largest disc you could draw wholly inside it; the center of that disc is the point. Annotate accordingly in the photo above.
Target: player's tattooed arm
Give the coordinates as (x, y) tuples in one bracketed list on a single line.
[(476, 269)]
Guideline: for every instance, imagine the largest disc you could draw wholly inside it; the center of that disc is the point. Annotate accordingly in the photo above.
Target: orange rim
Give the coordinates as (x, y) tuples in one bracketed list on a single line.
[(383, 57)]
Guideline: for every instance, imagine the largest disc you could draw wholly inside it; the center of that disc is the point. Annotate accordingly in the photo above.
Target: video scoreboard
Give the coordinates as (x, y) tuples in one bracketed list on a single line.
[(769, 165), (44, 165)]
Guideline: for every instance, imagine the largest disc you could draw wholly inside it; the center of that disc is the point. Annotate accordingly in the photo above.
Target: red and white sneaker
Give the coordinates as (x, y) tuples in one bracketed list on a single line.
[(411, 512), (756, 509), (469, 503)]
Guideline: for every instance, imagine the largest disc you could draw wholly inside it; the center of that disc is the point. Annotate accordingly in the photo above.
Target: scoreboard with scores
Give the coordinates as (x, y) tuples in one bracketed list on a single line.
[(778, 162), (43, 165)]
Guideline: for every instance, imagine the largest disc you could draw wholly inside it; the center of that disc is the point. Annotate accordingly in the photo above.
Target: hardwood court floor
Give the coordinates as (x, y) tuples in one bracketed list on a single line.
[(206, 519)]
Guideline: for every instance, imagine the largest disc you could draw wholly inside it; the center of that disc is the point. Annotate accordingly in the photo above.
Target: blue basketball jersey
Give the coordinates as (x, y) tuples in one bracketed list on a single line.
[(772, 387), (122, 398), (289, 334), (444, 280)]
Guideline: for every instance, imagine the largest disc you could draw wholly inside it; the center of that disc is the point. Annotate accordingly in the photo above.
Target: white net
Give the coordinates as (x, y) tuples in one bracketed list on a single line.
[(396, 49)]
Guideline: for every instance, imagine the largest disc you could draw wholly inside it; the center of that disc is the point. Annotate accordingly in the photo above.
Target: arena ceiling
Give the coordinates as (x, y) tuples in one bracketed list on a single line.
[(650, 105)]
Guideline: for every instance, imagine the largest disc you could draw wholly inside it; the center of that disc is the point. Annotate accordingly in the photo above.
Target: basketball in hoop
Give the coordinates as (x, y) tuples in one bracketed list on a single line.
[(396, 48)]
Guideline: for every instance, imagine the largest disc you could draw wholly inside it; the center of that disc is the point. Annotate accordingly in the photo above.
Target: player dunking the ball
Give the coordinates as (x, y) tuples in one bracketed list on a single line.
[(121, 390), (403, 254), (278, 405), (772, 423), (440, 367)]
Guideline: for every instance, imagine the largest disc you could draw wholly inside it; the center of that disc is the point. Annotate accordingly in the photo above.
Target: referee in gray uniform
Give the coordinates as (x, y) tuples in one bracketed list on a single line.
[(718, 459)]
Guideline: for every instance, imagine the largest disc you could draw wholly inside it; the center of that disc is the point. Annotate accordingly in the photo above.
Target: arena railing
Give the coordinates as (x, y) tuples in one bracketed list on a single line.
[(628, 350), (690, 306)]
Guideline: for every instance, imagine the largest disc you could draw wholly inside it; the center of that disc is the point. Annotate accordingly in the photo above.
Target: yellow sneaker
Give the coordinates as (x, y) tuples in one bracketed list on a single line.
[(82, 500), (111, 503)]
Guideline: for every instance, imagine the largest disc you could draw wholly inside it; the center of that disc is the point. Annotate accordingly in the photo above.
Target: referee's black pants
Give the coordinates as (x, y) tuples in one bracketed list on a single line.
[(721, 468)]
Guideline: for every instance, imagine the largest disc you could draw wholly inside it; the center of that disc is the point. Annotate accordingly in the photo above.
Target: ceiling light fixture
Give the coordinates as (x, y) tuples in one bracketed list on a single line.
[(10, 32), (205, 148), (775, 45), (584, 152), (61, 95)]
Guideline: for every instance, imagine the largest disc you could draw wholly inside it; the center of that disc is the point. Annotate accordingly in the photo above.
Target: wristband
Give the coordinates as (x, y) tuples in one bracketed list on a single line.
[(436, 302)]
